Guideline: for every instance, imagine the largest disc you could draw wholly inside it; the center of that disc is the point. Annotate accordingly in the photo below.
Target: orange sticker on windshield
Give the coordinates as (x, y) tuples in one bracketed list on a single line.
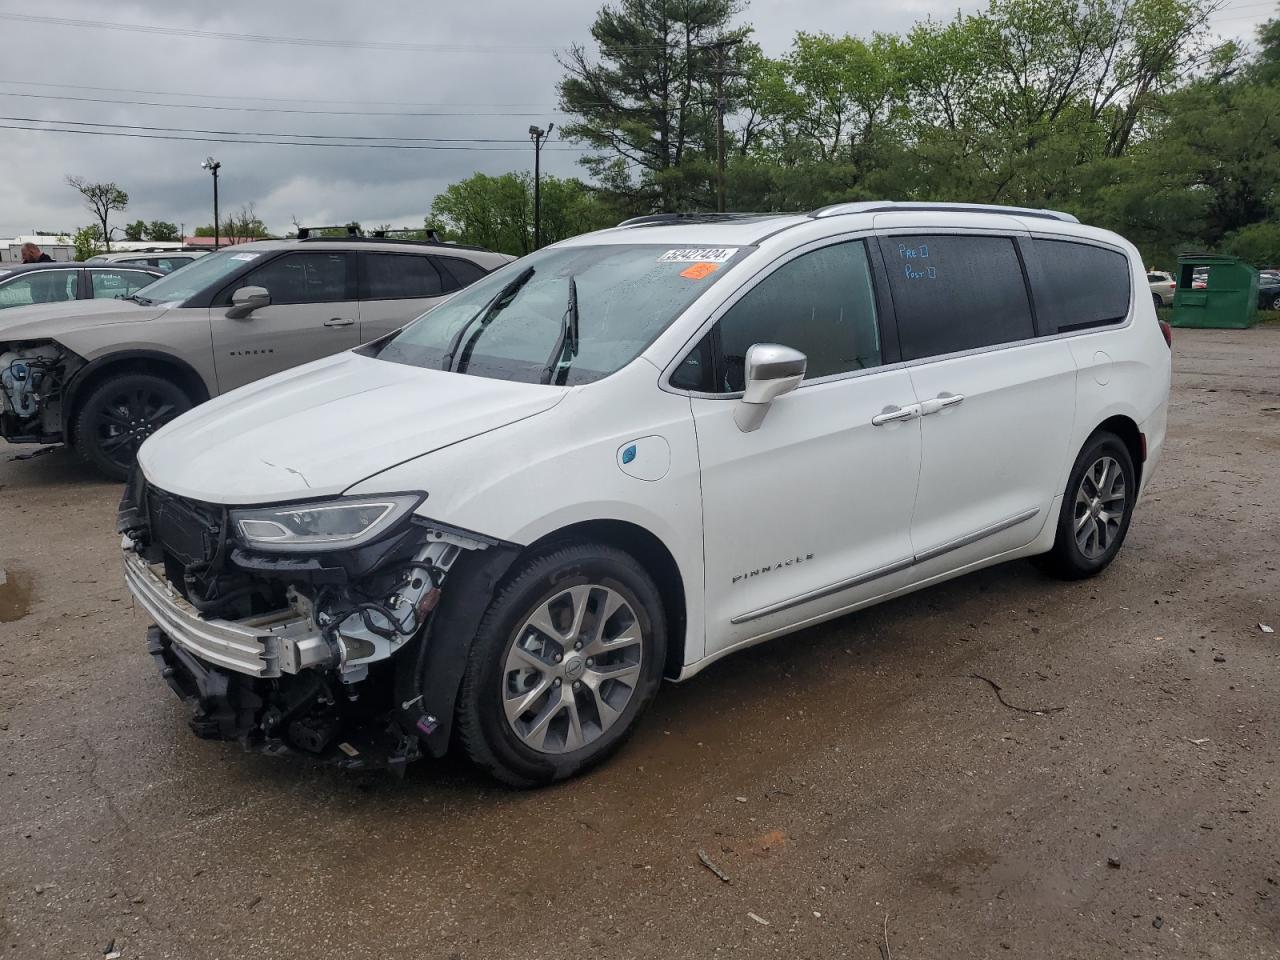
[(700, 270)]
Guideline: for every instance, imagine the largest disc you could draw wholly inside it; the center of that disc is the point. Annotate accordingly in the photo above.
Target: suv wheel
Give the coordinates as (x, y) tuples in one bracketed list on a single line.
[(1155, 297), (565, 660), (119, 414), (1096, 509)]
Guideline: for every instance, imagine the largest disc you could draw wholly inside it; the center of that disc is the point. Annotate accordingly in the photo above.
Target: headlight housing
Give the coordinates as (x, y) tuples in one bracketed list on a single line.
[(337, 524)]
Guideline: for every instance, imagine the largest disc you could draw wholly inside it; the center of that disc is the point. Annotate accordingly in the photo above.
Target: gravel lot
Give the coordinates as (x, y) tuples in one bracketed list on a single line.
[(850, 781)]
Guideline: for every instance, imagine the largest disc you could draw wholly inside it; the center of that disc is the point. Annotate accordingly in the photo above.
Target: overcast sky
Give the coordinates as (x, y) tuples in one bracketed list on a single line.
[(485, 58)]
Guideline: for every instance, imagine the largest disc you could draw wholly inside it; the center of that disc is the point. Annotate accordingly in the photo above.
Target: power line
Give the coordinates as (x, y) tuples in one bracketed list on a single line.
[(259, 97), (260, 133), (187, 32), (385, 45), (329, 113), (286, 143)]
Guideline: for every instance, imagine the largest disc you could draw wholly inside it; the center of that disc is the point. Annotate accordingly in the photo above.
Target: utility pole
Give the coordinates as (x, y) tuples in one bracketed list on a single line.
[(213, 166), (538, 135), (720, 49)]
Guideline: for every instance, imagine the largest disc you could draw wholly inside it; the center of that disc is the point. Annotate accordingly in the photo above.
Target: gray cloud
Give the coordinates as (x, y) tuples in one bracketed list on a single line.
[(317, 185)]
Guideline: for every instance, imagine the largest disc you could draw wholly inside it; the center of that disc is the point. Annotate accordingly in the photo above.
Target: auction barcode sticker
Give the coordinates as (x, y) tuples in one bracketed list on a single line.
[(699, 255)]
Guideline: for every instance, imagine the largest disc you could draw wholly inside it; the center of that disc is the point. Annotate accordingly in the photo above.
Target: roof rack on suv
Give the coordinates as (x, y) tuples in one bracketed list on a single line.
[(308, 233), (353, 235), (659, 219), (887, 206)]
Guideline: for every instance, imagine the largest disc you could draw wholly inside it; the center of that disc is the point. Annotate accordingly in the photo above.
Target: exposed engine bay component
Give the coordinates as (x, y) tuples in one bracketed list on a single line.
[(32, 380), (292, 651)]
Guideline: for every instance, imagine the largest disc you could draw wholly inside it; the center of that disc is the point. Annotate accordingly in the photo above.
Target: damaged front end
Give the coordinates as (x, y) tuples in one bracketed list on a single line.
[(33, 380), (308, 627)]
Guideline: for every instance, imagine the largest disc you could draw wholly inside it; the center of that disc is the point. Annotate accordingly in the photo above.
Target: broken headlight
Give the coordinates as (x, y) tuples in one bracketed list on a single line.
[(338, 524)]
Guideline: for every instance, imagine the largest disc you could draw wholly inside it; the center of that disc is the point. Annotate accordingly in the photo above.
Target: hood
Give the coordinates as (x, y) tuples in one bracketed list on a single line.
[(48, 321), (317, 429)]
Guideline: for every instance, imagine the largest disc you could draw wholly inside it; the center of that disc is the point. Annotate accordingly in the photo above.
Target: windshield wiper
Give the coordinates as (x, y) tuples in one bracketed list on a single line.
[(567, 341), (485, 316), (141, 301)]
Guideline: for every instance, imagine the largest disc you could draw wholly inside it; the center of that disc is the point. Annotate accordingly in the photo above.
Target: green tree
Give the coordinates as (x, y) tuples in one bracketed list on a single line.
[(497, 212), (102, 199), (162, 230), (136, 231), (1258, 243), (87, 241), (649, 101)]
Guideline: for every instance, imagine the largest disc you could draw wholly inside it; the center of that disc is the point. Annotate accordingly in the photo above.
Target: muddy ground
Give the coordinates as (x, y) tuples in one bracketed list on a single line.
[(850, 781)]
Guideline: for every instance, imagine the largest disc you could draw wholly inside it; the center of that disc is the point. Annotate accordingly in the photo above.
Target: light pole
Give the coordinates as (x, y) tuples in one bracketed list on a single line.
[(537, 135), (213, 166)]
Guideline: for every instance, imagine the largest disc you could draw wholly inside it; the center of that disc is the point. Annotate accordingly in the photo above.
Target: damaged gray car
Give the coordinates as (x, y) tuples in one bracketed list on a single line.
[(103, 375)]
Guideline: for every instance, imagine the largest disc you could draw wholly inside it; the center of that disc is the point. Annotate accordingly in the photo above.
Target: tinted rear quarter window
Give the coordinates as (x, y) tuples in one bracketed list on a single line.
[(1081, 285), (463, 272), (954, 293)]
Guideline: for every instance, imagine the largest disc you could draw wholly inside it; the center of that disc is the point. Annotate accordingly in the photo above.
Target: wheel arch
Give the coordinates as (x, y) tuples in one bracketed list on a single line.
[(130, 361), (431, 680), (1126, 428), (652, 554)]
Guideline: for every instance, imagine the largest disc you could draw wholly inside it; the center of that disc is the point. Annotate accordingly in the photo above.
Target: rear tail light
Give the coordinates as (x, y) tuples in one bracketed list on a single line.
[(1168, 333)]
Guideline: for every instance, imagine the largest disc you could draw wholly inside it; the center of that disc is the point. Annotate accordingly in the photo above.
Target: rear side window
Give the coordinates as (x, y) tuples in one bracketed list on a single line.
[(953, 293), (392, 276), (463, 272), (117, 284), (821, 303), (1081, 285)]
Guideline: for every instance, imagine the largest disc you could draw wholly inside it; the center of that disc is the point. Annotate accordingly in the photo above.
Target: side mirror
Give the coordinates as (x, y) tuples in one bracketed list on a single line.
[(771, 371), (246, 300)]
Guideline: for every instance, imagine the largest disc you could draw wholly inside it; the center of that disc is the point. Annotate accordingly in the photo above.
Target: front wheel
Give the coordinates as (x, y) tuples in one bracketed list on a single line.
[(1096, 509), (119, 414), (567, 657), (1275, 302)]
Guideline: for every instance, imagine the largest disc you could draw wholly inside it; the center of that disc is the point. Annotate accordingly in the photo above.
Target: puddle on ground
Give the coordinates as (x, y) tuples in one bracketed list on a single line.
[(15, 595)]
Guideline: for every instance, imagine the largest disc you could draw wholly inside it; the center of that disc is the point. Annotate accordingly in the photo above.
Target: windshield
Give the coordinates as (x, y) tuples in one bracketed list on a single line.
[(517, 323), (196, 276)]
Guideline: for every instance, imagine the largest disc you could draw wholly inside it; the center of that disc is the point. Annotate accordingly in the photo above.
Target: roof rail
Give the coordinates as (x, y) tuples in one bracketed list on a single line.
[(888, 206), (660, 219)]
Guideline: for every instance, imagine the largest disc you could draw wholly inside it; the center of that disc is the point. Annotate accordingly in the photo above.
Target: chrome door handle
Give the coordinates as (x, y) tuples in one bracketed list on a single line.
[(896, 414), (939, 403), (339, 322)]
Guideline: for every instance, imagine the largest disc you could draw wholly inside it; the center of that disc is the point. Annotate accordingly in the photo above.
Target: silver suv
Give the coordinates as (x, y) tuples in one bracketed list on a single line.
[(103, 376)]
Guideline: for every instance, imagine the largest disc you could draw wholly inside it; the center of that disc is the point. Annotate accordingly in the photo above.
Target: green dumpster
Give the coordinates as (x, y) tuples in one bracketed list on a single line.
[(1229, 297)]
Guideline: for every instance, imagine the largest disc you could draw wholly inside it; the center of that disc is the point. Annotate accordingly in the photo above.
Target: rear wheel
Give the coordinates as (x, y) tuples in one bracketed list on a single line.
[(119, 414), (565, 660), (1096, 509), (1275, 302), (1155, 297)]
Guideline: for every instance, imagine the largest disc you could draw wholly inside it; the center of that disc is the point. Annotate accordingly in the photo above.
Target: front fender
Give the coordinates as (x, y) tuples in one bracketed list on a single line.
[(429, 675)]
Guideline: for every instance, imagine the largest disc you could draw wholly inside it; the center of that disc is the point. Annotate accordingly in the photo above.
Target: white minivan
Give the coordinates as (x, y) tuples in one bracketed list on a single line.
[(625, 456)]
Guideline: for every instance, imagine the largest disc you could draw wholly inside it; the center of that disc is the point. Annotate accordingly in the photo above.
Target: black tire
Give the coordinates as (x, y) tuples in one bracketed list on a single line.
[(1275, 303), (119, 414), (482, 726), (1155, 297), (1068, 559)]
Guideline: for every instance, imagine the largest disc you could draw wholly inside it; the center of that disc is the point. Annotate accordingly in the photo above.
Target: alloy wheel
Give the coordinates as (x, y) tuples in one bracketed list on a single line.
[(128, 418), (572, 668), (1099, 507)]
